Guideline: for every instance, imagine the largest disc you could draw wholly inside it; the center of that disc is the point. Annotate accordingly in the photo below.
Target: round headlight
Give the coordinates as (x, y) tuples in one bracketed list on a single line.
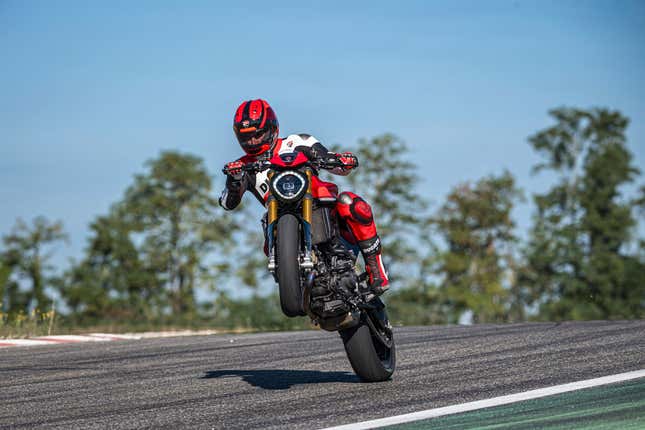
[(289, 185)]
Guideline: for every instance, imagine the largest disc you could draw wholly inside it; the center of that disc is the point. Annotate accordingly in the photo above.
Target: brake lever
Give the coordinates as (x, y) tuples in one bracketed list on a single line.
[(257, 166), (327, 164)]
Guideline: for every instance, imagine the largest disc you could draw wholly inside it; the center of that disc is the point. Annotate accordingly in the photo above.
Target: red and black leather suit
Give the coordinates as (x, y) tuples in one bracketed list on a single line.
[(355, 214)]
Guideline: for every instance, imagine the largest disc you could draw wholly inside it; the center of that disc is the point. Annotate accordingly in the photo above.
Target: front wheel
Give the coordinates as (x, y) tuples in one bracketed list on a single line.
[(370, 347), (288, 268)]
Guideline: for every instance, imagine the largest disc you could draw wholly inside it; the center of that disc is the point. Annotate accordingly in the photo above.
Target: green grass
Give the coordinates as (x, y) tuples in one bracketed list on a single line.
[(28, 325), (32, 324), (611, 407)]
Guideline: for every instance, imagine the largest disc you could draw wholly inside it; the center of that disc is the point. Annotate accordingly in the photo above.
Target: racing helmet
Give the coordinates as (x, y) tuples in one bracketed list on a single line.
[(256, 126)]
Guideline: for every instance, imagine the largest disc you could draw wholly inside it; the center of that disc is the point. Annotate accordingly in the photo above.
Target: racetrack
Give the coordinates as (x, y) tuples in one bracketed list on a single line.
[(297, 379)]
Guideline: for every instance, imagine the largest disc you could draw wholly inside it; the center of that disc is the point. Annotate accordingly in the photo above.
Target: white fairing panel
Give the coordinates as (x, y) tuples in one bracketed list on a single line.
[(293, 141), (262, 183)]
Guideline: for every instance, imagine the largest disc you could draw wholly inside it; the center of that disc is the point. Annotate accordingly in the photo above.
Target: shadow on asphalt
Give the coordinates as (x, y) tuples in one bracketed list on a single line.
[(278, 379)]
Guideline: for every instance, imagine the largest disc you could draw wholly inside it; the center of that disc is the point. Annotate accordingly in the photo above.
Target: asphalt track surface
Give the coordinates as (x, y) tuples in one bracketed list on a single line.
[(297, 379)]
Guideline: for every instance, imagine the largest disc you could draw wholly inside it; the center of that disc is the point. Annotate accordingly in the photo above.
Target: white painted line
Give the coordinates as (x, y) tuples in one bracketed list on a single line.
[(24, 342), (177, 333), (109, 336), (496, 401), (100, 337), (71, 338), (61, 339)]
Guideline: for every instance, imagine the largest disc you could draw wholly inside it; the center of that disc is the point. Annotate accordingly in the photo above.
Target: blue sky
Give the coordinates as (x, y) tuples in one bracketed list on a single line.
[(91, 90)]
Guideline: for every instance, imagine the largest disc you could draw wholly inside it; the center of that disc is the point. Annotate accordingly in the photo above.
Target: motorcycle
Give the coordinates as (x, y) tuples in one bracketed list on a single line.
[(314, 265)]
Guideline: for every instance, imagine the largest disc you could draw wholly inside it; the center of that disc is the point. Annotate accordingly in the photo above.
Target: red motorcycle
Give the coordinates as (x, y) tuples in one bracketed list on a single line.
[(314, 265)]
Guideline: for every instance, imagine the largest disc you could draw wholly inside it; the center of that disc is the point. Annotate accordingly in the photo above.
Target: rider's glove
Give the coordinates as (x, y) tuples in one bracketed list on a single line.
[(234, 170), (349, 160)]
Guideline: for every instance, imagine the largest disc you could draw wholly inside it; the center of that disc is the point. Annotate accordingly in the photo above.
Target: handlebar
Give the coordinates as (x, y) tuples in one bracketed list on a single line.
[(259, 166), (327, 164)]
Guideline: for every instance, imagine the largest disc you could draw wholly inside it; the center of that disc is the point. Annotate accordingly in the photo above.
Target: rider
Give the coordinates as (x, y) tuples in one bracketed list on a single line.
[(256, 127)]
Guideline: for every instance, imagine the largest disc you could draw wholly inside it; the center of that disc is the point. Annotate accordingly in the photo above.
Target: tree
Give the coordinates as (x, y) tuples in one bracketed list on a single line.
[(476, 226), (576, 254), (12, 300), (162, 241), (111, 282), (171, 209), (27, 252), (388, 182)]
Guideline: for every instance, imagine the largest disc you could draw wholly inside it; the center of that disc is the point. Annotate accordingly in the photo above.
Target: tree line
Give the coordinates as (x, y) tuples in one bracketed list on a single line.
[(166, 240)]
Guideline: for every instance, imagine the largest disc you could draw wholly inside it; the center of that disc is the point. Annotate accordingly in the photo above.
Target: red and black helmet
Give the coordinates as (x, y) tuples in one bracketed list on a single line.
[(256, 126)]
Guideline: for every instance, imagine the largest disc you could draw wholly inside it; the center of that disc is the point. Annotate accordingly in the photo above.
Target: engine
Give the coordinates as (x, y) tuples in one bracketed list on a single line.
[(335, 282)]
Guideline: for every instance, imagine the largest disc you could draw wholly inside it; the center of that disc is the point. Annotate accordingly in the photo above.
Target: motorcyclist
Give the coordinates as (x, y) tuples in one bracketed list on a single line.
[(256, 128)]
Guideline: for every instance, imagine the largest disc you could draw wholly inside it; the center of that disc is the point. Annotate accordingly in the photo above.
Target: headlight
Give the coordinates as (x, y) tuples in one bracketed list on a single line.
[(289, 186)]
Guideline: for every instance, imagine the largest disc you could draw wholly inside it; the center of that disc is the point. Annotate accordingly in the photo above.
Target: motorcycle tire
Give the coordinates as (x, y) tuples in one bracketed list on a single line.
[(288, 268), (371, 360)]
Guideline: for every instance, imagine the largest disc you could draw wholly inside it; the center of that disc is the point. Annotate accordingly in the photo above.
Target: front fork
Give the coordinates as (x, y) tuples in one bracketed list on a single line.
[(307, 211), (272, 218)]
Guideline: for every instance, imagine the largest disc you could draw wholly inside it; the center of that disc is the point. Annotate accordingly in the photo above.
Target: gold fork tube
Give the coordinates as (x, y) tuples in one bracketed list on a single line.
[(308, 203), (272, 209), (272, 205)]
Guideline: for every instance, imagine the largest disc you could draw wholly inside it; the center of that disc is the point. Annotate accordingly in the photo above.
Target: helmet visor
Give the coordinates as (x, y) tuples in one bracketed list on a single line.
[(254, 141), (253, 138)]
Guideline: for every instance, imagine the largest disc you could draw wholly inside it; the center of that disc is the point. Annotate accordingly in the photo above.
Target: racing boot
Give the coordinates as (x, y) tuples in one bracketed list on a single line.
[(371, 250)]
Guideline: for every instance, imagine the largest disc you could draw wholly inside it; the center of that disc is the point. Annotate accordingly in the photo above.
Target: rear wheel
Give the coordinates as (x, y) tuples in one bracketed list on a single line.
[(370, 347), (288, 268)]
